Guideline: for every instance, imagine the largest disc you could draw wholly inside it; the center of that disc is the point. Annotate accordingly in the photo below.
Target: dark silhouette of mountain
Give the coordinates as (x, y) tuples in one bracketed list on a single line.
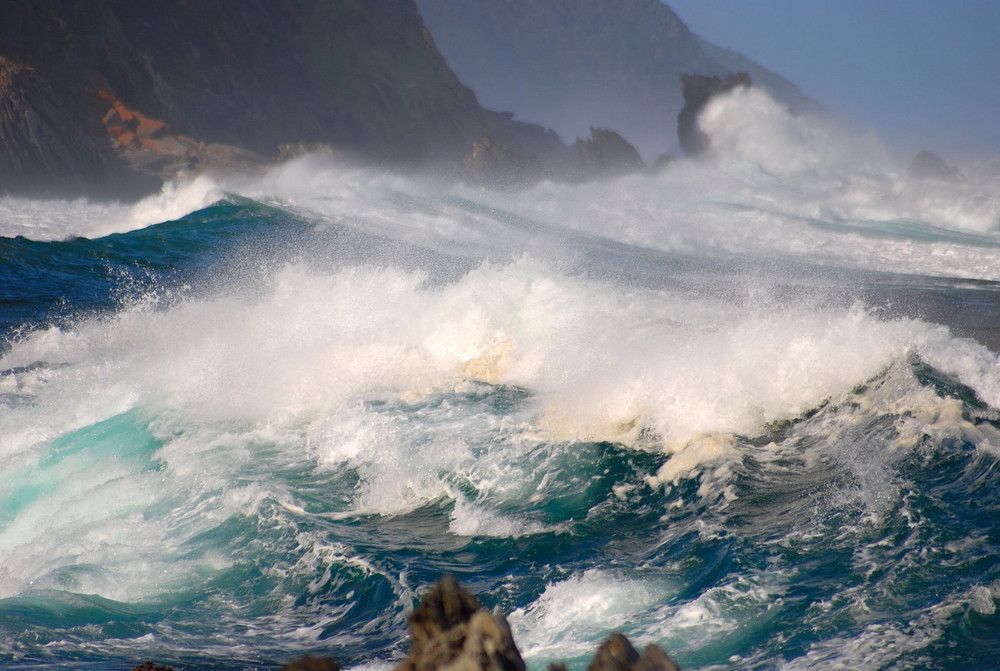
[(572, 65)]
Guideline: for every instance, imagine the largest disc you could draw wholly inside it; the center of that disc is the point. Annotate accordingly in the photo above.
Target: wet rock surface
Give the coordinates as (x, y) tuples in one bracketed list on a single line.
[(451, 631)]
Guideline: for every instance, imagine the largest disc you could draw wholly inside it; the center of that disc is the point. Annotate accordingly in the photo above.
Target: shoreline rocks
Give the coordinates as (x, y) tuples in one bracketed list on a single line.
[(604, 155), (451, 631)]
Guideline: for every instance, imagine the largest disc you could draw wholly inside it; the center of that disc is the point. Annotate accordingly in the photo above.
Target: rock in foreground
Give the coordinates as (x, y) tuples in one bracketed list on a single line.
[(452, 632)]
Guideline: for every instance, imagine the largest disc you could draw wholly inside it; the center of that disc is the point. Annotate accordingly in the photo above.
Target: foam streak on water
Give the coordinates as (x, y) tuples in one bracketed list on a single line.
[(730, 408)]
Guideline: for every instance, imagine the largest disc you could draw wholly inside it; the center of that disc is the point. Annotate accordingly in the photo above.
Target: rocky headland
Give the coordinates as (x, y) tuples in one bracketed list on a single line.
[(451, 631), (572, 66), (108, 98)]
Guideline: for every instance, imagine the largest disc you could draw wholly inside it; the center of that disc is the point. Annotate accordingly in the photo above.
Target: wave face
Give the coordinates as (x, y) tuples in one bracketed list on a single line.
[(747, 409)]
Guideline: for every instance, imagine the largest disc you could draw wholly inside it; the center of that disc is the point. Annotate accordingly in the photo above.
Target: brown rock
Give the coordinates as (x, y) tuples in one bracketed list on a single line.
[(618, 654), (654, 659), (148, 148), (615, 654), (451, 632), (149, 666), (308, 663), (488, 645)]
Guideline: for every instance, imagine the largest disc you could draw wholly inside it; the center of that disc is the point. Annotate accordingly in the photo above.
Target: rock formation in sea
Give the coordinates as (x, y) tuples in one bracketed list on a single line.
[(571, 65), (451, 631), (777, 86), (698, 91), (493, 164), (604, 154), (109, 98)]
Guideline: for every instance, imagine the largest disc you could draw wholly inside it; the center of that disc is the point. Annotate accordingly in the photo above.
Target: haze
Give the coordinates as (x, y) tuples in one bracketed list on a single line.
[(921, 73)]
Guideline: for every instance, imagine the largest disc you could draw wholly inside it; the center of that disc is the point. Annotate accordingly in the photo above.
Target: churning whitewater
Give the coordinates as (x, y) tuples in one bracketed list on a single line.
[(747, 408)]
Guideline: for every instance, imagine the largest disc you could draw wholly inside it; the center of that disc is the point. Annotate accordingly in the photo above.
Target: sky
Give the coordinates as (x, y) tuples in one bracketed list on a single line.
[(923, 74)]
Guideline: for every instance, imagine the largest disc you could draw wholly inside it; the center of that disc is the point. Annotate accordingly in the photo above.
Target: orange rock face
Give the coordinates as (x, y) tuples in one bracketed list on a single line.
[(130, 127)]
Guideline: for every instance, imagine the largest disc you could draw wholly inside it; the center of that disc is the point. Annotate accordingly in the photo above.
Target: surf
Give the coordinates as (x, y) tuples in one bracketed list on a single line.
[(737, 408)]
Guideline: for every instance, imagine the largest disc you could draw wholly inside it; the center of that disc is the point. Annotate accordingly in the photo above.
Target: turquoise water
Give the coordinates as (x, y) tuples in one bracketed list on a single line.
[(265, 427)]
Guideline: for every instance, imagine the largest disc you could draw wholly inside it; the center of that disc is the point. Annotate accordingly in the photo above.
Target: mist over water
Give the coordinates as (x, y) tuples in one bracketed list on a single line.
[(745, 408)]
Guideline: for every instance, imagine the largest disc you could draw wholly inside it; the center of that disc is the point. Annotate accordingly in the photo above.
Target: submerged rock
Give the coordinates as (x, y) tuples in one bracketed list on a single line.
[(450, 631), (698, 90)]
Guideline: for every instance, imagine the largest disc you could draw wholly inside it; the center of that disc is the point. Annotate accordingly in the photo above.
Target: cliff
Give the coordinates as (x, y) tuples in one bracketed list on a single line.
[(43, 139), (572, 65), (109, 97)]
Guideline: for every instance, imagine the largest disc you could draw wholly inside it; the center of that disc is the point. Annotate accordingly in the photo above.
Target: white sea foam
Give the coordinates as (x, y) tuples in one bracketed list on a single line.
[(603, 362), (56, 219), (565, 295), (569, 615), (286, 358), (176, 199), (64, 219)]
